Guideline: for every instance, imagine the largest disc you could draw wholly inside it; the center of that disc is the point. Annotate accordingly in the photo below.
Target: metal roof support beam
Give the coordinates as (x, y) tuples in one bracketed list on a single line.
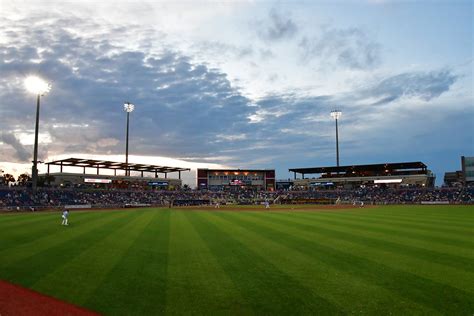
[(102, 164)]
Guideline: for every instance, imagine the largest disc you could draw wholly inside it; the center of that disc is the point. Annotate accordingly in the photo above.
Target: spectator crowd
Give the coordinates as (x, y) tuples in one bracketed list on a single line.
[(23, 198)]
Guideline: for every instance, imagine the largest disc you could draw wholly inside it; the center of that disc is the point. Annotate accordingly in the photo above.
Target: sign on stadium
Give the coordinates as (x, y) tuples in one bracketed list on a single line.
[(158, 183), (388, 181), (89, 180), (221, 179)]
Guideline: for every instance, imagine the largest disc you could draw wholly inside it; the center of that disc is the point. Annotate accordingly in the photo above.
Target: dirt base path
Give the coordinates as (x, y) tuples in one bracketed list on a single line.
[(19, 301)]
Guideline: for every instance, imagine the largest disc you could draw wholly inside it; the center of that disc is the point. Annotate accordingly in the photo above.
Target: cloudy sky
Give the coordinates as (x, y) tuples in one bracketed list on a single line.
[(245, 84)]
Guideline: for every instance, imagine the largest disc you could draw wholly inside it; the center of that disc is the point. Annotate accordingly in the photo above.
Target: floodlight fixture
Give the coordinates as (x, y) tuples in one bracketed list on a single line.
[(37, 85), (128, 107), (336, 114)]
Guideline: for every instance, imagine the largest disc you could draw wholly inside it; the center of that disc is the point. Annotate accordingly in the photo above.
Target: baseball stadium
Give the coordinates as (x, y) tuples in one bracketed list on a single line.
[(132, 247), (220, 189)]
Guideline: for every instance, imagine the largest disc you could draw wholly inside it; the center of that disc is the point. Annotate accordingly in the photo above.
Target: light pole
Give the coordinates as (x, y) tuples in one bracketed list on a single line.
[(127, 107), (336, 114), (39, 87)]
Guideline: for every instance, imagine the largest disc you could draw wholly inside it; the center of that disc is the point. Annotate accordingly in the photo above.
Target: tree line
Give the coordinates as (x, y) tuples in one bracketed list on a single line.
[(23, 179)]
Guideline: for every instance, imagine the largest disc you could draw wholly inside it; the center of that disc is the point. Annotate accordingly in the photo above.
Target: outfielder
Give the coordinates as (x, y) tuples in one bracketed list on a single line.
[(64, 216)]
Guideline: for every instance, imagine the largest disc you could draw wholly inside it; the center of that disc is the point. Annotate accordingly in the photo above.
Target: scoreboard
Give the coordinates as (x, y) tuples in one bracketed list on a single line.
[(220, 179)]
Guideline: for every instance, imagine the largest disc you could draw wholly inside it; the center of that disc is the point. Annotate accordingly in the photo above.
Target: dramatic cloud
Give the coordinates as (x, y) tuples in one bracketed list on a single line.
[(180, 106), (224, 49), (20, 153), (277, 27), (351, 48), (423, 85)]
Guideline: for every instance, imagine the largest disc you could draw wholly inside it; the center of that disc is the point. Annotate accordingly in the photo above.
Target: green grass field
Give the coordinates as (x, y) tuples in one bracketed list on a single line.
[(385, 260)]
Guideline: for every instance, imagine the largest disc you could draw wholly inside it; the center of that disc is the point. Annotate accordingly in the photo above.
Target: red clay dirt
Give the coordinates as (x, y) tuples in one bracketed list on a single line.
[(18, 301)]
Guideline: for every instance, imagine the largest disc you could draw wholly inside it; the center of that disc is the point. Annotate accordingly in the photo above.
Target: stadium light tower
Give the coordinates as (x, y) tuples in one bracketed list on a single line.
[(39, 87), (127, 107), (336, 114)]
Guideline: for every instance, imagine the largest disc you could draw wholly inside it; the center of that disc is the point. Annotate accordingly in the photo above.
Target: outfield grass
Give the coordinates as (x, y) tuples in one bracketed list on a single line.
[(386, 260)]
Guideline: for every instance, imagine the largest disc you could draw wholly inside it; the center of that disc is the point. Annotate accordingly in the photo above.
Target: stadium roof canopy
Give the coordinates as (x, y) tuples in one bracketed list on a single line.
[(104, 164), (362, 168)]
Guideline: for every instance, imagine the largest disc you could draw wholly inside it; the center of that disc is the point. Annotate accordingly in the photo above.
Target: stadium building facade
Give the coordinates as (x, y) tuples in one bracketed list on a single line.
[(467, 164), (463, 177), (454, 178), (235, 179), (414, 174)]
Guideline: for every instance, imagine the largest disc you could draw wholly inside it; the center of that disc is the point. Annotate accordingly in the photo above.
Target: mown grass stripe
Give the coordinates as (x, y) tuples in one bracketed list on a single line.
[(266, 289), (32, 268), (58, 235), (140, 274), (76, 280), (6, 218), (418, 224), (40, 220), (352, 258), (459, 249), (197, 283), (26, 220), (16, 236), (448, 232), (430, 249), (408, 258), (353, 294), (453, 236), (420, 220), (449, 214)]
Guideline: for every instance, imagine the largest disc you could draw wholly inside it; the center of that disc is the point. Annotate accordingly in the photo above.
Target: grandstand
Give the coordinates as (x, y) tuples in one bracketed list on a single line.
[(284, 184), (114, 180), (350, 177), (22, 198)]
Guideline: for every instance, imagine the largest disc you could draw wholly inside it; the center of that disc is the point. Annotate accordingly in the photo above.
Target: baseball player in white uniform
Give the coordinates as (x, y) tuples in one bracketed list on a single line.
[(65, 216)]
